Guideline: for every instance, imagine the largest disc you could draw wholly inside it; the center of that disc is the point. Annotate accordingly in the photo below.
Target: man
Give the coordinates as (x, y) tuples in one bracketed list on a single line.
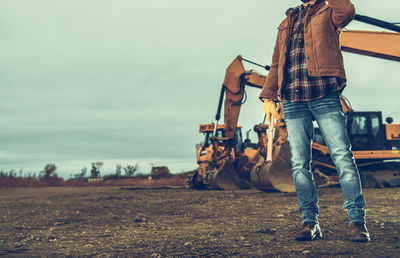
[(307, 75)]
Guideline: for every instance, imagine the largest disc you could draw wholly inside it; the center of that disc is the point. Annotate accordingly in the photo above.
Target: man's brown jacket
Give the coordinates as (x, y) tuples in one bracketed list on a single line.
[(321, 42)]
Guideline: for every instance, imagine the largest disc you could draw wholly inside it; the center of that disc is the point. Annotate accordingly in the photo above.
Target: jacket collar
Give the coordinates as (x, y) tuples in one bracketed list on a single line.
[(315, 5), (312, 2), (321, 8)]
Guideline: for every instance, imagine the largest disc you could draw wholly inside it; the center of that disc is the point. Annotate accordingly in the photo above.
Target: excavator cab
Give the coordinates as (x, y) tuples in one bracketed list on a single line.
[(208, 131), (366, 131), (375, 147)]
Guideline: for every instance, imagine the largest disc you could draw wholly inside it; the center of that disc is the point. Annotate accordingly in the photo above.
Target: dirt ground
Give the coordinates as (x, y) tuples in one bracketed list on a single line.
[(114, 221)]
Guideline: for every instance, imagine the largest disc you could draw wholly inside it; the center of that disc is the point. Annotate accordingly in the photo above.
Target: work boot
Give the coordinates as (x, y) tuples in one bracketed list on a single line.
[(359, 232), (309, 232)]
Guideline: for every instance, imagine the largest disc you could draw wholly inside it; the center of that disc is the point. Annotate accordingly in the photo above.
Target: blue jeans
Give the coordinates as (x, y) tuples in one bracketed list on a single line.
[(329, 115)]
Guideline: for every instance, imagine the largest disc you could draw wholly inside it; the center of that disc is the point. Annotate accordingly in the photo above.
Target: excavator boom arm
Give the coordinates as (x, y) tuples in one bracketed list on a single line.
[(384, 45), (233, 88)]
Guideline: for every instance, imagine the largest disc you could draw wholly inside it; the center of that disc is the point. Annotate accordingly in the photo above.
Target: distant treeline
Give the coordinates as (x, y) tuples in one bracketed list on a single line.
[(159, 176)]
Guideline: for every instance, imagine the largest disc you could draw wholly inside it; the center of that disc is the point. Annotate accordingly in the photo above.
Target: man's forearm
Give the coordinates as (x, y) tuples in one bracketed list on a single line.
[(343, 12)]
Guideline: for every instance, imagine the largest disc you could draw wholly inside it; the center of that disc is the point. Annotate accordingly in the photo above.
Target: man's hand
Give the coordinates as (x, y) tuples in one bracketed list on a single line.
[(270, 109)]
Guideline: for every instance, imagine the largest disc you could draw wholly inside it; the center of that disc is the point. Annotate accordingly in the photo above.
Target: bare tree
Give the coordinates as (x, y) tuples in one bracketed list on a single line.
[(118, 169), (95, 171), (49, 171), (12, 173), (130, 170), (83, 172)]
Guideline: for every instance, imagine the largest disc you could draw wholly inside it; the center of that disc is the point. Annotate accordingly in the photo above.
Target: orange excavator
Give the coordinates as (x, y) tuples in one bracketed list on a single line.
[(228, 162), (376, 145), (225, 160)]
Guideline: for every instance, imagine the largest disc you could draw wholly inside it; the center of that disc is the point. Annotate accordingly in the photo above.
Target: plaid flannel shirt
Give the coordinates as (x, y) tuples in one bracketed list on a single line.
[(298, 86)]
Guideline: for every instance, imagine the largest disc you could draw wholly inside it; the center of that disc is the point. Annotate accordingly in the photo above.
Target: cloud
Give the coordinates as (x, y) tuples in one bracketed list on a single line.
[(131, 81)]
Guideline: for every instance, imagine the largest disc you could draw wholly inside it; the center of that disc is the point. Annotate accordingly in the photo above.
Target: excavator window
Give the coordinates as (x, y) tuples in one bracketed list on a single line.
[(359, 132), (359, 125), (220, 133), (375, 125), (207, 139), (209, 135), (318, 136), (365, 130), (238, 139)]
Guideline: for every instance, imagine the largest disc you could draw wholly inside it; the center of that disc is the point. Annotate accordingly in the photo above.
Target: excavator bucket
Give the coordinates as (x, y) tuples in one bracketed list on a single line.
[(280, 174), (224, 178), (207, 176), (228, 179), (275, 174)]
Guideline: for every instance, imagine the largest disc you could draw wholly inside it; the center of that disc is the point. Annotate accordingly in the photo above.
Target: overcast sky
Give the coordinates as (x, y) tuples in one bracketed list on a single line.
[(129, 81)]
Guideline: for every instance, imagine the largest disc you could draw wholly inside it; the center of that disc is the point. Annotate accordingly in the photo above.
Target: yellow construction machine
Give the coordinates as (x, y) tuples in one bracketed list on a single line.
[(376, 145), (227, 162)]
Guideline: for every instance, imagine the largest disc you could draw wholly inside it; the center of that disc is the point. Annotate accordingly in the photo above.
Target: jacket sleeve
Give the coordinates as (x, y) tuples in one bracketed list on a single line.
[(343, 12), (269, 91)]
